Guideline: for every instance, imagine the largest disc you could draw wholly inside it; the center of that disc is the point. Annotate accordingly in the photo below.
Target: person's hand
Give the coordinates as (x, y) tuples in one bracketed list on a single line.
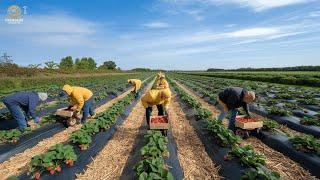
[(73, 108), (37, 120), (76, 115)]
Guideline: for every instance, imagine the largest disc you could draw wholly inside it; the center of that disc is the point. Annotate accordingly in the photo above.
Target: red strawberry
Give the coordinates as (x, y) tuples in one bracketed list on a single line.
[(52, 172), (58, 169), (37, 176)]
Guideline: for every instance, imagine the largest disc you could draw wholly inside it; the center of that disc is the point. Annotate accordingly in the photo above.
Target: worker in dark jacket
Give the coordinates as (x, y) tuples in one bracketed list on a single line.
[(231, 99), (24, 101)]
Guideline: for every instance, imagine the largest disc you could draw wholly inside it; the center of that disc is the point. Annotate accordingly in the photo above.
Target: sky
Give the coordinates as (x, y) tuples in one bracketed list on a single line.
[(165, 34)]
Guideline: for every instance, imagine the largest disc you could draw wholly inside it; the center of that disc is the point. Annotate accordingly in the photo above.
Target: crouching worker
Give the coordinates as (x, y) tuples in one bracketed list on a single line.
[(162, 82), (80, 99), (136, 83), (27, 102), (160, 98), (230, 99)]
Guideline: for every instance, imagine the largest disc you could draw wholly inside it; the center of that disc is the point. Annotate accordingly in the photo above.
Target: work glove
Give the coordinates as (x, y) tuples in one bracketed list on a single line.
[(76, 115)]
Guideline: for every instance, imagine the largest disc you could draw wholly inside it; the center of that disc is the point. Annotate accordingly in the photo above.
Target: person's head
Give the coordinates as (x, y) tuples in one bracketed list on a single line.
[(165, 94), (67, 89), (43, 96), (130, 81), (162, 76), (249, 97)]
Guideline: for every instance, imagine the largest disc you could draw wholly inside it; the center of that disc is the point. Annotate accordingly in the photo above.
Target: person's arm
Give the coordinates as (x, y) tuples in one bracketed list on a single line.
[(79, 101), (246, 109), (32, 105)]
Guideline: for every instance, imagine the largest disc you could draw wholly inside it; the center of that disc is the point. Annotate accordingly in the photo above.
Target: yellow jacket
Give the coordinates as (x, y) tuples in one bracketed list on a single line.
[(136, 83), (77, 95), (162, 84), (154, 97)]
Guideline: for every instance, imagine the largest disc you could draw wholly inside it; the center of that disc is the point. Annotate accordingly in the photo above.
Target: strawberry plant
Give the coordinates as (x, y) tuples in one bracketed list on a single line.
[(152, 165), (261, 173), (270, 125), (278, 111), (309, 101), (82, 138), (202, 113), (306, 143), (310, 121), (248, 156), (52, 160), (224, 136), (11, 136)]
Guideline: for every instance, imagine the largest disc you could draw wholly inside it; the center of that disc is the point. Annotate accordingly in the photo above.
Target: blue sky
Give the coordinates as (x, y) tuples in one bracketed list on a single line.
[(167, 34)]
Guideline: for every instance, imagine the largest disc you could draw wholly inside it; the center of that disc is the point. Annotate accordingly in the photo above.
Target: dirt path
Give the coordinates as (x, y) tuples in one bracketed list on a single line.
[(276, 161), (111, 160), (194, 160), (18, 163)]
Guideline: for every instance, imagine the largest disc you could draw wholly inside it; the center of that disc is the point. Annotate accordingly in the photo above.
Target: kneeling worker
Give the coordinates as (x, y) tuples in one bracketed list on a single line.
[(80, 99), (231, 99), (27, 102), (160, 98), (136, 83)]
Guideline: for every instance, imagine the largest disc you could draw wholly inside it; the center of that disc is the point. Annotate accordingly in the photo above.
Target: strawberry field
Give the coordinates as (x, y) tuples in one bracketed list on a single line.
[(116, 143)]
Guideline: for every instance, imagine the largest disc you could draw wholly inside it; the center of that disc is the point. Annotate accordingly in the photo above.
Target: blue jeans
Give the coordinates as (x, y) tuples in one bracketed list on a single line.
[(17, 114), (87, 109), (232, 120)]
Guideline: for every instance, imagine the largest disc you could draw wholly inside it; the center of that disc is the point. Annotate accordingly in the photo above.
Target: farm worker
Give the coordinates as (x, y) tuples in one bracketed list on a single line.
[(161, 82), (232, 98), (80, 99), (160, 98), (27, 102), (136, 84)]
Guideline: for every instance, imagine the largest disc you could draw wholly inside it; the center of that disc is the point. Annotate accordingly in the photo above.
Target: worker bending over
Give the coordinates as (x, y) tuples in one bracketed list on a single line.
[(230, 99), (80, 99), (161, 82), (27, 102), (136, 83), (160, 98)]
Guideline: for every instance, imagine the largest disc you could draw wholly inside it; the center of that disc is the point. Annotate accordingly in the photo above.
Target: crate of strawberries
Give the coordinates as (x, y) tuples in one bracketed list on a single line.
[(248, 122), (159, 122)]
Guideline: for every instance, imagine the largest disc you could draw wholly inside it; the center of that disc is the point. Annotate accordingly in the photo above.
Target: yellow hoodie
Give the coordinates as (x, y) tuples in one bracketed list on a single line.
[(155, 97), (136, 83), (162, 84), (77, 95)]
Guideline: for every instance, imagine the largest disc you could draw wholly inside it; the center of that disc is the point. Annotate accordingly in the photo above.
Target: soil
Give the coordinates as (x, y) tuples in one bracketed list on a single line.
[(111, 160), (194, 160)]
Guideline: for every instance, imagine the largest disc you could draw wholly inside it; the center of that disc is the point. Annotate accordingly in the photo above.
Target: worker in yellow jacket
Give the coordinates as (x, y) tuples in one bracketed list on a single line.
[(80, 99), (160, 98), (136, 83), (162, 82)]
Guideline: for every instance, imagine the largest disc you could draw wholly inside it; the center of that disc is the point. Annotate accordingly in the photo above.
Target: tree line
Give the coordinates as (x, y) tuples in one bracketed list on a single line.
[(295, 68)]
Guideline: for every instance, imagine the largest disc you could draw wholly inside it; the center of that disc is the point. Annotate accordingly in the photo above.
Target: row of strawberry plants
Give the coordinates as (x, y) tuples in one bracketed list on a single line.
[(302, 143), (83, 137), (226, 138), (152, 164)]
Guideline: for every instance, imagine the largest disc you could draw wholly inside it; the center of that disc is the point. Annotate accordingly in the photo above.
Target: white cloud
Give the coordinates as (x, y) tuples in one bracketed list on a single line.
[(256, 5), (251, 32), (261, 5), (314, 14), (54, 29), (156, 25)]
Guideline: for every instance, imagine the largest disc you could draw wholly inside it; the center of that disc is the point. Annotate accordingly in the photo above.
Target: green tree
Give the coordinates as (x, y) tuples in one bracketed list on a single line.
[(34, 66), (51, 65), (66, 63), (108, 65), (86, 63)]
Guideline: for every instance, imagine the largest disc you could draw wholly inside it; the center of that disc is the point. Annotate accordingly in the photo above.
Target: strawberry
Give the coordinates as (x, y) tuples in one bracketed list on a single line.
[(37, 176), (58, 169), (52, 172)]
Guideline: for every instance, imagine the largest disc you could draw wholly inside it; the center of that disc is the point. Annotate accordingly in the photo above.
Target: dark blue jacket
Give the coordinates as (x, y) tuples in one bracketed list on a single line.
[(26, 100), (233, 98)]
